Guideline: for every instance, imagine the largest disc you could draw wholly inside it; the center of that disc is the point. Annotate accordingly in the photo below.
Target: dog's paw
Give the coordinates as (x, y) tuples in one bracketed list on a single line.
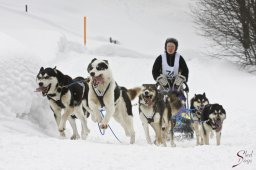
[(162, 144), (84, 136), (75, 137), (173, 145), (149, 141), (62, 134), (156, 143), (132, 139), (61, 130), (103, 126)]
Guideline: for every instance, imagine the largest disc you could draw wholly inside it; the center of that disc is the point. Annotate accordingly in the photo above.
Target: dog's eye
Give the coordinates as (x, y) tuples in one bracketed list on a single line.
[(47, 77), (102, 66), (89, 68)]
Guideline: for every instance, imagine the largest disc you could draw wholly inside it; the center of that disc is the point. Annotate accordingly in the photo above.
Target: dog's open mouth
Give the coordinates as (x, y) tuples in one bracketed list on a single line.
[(42, 89), (97, 80), (217, 125), (148, 99), (200, 108)]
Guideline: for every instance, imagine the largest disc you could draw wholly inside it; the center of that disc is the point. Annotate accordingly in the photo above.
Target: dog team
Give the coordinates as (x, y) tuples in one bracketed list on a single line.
[(159, 103), (81, 98)]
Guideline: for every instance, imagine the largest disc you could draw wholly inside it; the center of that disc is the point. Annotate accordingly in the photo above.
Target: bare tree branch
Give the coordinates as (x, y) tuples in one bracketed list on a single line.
[(231, 24)]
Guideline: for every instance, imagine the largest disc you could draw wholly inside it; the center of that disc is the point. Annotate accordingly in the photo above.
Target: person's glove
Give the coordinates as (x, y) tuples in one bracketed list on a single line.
[(162, 80), (179, 80)]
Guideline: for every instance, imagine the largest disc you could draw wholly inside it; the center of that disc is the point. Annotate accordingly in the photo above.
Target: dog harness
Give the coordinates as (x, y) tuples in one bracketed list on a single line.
[(196, 115), (56, 97), (167, 70), (150, 117), (100, 95)]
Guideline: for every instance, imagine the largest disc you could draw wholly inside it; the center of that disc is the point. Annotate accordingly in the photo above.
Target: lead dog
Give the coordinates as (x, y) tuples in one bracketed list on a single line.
[(105, 92), (64, 93), (212, 118)]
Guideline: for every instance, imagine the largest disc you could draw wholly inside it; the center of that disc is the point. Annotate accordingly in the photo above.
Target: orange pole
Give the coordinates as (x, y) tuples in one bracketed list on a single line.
[(84, 30)]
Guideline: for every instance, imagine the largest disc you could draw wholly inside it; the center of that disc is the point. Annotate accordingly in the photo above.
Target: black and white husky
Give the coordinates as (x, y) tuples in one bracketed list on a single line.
[(154, 111), (197, 104), (212, 118), (65, 93), (104, 92)]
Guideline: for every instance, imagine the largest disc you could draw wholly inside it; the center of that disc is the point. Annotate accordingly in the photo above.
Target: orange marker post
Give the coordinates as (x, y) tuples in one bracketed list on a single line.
[(84, 30)]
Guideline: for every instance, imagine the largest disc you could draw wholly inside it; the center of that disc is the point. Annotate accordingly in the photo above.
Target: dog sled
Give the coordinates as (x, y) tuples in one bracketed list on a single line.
[(182, 119)]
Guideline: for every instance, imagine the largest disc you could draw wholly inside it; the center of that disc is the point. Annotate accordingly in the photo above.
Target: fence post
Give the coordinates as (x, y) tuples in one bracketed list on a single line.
[(84, 30), (26, 8)]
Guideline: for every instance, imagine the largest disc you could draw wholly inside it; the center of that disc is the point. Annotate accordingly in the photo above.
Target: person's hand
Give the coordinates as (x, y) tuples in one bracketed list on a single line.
[(162, 80), (179, 80)]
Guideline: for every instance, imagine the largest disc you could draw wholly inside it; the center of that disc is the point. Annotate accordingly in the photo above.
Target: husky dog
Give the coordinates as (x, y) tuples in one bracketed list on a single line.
[(212, 118), (176, 104), (197, 104), (65, 93), (154, 111), (104, 92)]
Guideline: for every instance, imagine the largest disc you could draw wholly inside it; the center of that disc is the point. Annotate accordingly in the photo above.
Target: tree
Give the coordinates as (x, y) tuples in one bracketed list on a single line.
[(231, 24)]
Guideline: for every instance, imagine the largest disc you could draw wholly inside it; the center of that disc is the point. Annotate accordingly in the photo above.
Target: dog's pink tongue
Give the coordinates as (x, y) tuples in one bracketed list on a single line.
[(40, 89), (149, 101), (98, 80)]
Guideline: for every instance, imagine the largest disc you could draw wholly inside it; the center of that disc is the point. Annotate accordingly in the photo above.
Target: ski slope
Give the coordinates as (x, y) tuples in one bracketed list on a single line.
[(51, 34)]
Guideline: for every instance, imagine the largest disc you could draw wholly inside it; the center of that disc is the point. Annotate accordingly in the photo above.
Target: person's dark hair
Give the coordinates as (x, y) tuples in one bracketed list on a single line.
[(173, 40)]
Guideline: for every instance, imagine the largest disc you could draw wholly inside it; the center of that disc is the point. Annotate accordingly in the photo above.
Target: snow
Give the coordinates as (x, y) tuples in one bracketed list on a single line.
[(51, 34)]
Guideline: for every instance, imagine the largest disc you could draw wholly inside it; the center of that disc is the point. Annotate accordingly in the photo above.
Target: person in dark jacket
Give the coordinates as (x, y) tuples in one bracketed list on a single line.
[(170, 71), (170, 66)]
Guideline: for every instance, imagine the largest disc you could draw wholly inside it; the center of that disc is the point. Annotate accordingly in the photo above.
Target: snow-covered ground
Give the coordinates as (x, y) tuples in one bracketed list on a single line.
[(51, 34)]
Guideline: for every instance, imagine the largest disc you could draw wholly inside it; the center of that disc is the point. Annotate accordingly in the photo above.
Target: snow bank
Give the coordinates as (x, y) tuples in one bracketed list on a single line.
[(18, 74)]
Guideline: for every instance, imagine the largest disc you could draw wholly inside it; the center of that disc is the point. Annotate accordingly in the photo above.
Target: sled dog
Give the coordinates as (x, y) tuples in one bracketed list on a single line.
[(65, 93), (154, 111), (197, 104), (212, 118), (105, 93), (176, 104)]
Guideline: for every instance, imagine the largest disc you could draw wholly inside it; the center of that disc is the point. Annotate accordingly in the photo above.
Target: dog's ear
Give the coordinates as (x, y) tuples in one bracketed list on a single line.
[(222, 108), (93, 60), (106, 61), (55, 69), (204, 94), (89, 68), (224, 111), (41, 69)]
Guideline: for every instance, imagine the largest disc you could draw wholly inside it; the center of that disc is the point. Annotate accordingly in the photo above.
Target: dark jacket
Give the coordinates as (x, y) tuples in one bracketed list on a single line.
[(157, 67)]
